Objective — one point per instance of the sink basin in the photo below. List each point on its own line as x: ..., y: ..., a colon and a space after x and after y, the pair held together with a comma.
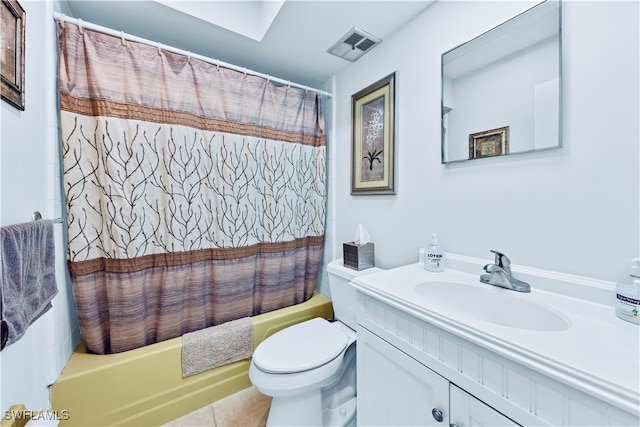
x: 498, y: 306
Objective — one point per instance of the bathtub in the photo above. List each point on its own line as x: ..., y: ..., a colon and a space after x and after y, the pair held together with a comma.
x: 144, y: 387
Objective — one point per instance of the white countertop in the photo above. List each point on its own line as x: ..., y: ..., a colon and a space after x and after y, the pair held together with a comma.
x: 598, y: 353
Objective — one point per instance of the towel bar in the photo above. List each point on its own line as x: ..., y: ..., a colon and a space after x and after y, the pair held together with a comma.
x: 37, y: 215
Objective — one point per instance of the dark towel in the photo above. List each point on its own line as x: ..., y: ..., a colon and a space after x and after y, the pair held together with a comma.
x: 27, y: 274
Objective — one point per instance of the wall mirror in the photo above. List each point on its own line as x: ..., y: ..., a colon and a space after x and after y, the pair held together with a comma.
x: 501, y: 91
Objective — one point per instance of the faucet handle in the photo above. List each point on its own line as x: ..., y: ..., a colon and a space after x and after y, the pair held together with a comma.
x: 502, y: 260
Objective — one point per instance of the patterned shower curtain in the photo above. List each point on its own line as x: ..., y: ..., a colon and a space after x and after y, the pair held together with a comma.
x: 195, y: 194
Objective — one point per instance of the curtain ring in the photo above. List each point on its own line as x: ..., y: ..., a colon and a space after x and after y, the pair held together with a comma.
x: 245, y: 72
x: 217, y: 65
x: 188, y: 57
x: 159, y: 48
x: 80, y: 26
x: 124, y: 42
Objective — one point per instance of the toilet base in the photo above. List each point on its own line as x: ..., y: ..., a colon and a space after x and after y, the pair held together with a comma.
x: 342, y: 415
x: 294, y: 411
x: 303, y: 411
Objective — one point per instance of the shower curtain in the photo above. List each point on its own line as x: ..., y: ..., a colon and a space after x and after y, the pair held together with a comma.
x: 195, y: 194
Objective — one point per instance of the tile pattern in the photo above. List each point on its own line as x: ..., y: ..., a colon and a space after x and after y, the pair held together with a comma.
x: 246, y: 408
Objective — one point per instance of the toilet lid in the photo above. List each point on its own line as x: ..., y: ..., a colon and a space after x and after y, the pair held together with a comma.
x: 300, y: 347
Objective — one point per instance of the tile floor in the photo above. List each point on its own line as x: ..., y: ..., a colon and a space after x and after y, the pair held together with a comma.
x: 246, y: 408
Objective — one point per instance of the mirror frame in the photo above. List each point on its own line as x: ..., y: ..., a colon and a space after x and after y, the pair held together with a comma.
x: 445, y: 109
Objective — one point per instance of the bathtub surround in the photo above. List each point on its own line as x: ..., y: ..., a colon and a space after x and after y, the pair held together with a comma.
x: 195, y: 193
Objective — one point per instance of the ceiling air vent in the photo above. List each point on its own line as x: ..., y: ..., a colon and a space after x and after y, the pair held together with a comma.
x: 354, y: 44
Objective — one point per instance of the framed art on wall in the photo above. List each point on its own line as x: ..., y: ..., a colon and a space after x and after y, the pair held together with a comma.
x: 373, y: 138
x: 12, y: 53
x: 494, y: 142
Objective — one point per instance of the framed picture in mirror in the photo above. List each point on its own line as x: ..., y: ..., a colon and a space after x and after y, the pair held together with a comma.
x: 494, y: 142
x: 12, y: 53
x: 372, y: 138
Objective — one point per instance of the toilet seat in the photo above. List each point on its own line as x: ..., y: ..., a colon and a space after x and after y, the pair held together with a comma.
x: 300, y: 347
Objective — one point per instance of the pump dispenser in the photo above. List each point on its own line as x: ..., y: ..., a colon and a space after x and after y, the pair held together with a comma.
x: 434, y: 256
x: 628, y: 295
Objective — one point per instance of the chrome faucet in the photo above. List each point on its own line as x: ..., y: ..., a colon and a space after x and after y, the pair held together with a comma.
x: 499, y: 274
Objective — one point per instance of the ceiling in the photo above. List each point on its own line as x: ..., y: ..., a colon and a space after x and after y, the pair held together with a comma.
x: 286, y: 39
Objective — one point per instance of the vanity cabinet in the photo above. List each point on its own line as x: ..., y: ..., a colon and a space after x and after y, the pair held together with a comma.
x: 396, y: 390
x: 410, y: 364
x: 466, y: 410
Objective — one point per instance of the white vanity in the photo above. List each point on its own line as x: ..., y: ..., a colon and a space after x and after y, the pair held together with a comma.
x: 443, y: 349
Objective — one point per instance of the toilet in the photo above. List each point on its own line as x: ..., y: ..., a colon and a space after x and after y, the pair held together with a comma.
x: 310, y: 368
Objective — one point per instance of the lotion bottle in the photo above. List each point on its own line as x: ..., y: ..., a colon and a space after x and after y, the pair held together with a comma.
x: 628, y: 295
x: 434, y: 256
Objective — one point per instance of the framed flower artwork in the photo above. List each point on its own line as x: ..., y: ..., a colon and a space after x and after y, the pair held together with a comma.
x: 372, y: 141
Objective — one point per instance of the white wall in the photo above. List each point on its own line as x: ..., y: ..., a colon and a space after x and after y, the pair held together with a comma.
x: 573, y: 210
x: 29, y: 181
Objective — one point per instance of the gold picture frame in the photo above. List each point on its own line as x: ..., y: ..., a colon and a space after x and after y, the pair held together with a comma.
x: 373, y: 138
x: 12, y: 53
x: 494, y: 142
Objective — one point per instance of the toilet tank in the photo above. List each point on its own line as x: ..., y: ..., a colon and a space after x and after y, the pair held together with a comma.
x: 343, y: 295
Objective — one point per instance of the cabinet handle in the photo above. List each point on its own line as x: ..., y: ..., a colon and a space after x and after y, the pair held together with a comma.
x: 453, y: 425
x: 437, y: 414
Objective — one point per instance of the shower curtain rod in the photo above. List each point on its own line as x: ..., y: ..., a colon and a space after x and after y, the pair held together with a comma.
x: 88, y: 25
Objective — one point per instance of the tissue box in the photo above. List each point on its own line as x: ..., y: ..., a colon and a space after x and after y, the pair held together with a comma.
x: 358, y: 257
